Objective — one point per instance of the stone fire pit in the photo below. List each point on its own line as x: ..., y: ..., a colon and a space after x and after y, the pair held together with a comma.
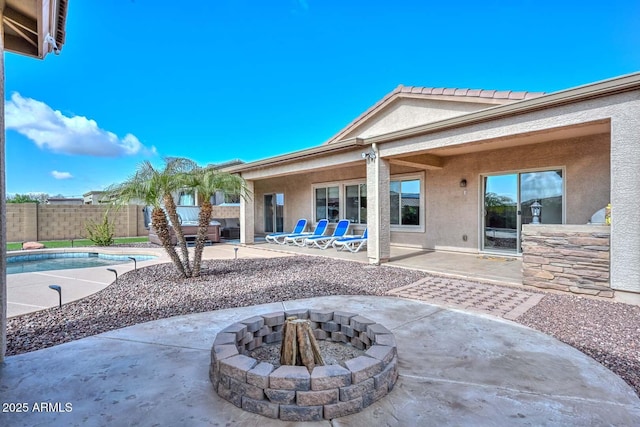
x: 292, y: 393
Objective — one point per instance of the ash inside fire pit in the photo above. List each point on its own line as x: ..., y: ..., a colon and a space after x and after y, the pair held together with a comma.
x: 332, y: 352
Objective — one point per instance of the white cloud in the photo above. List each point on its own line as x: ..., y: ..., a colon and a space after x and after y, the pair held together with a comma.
x: 61, y: 175
x: 52, y: 130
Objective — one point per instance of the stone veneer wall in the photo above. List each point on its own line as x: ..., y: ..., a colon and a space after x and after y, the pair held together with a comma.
x: 292, y: 393
x: 572, y: 258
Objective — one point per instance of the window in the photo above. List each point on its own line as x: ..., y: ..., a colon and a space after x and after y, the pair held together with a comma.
x: 186, y: 198
x: 355, y: 205
x: 405, y: 202
x: 327, y: 203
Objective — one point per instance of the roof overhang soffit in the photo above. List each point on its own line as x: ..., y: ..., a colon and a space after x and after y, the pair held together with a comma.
x: 21, y: 32
x: 419, y: 161
x: 26, y: 25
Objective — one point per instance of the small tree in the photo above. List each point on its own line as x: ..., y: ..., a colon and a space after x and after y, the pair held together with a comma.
x: 101, y: 233
x: 207, y: 181
x: 155, y: 187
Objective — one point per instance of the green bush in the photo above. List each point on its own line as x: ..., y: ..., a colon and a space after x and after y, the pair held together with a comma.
x: 101, y: 233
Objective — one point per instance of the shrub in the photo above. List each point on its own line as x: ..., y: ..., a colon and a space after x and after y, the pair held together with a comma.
x: 101, y: 233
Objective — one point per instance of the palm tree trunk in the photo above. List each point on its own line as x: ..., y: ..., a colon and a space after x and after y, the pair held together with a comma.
x: 160, y: 224
x: 204, y: 217
x: 170, y: 205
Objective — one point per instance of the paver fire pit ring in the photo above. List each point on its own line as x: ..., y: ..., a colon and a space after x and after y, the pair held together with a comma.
x: 292, y: 393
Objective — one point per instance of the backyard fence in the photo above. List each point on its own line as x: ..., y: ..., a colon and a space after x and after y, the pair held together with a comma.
x: 38, y: 222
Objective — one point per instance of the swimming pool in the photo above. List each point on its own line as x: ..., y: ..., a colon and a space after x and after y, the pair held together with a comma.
x: 67, y: 260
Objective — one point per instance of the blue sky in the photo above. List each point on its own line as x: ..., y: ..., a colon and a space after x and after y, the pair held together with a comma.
x: 249, y: 79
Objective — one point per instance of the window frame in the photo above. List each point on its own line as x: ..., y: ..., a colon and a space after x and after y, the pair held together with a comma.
x: 342, y: 191
x: 420, y: 228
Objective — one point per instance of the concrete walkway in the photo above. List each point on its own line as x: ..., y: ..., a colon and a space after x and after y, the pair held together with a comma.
x: 455, y: 369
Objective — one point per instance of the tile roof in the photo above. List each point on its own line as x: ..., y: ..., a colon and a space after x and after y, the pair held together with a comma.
x: 477, y: 93
x: 491, y: 97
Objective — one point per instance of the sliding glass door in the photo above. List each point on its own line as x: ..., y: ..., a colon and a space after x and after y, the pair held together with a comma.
x: 274, y: 213
x: 507, y: 203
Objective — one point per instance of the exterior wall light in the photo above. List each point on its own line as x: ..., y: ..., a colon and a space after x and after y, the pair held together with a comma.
x: 536, y: 207
x: 369, y: 155
x: 463, y: 183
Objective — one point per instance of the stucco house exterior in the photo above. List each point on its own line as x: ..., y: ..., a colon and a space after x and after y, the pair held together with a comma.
x: 457, y: 170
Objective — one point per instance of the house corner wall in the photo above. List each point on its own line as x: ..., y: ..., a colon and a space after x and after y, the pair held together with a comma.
x: 625, y: 193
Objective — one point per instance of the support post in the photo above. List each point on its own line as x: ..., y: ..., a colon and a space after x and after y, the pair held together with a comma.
x: 378, y: 214
x: 247, y: 216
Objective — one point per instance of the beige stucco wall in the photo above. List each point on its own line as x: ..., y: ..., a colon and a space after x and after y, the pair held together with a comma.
x: 406, y: 113
x: 297, y: 190
x: 451, y: 213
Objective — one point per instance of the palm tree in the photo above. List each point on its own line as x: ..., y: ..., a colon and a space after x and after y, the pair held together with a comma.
x: 207, y: 181
x: 155, y: 187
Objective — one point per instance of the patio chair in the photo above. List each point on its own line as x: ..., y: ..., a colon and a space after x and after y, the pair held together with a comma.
x: 323, y: 242
x: 279, y: 237
x: 298, y: 239
x: 351, y: 243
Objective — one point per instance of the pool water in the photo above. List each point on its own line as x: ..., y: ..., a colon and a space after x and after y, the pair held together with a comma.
x: 67, y: 260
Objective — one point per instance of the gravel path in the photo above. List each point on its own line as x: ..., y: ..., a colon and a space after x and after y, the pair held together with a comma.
x: 609, y: 332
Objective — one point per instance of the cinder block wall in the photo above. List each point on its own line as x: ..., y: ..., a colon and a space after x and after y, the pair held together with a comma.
x: 36, y: 222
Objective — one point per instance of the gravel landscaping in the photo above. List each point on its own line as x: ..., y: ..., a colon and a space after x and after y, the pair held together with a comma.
x: 607, y: 331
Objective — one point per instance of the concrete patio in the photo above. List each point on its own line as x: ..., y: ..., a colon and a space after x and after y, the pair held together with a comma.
x: 455, y: 369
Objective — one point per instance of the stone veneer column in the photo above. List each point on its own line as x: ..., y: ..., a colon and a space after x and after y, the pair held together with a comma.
x: 378, y: 214
x: 247, y: 215
x: 625, y: 193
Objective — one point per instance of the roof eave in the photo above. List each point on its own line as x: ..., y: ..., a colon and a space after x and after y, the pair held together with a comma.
x: 321, y: 150
x: 581, y: 93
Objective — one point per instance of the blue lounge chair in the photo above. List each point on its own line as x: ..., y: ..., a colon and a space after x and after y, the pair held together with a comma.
x: 351, y: 243
x: 298, y: 239
x: 323, y: 242
x: 279, y: 237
